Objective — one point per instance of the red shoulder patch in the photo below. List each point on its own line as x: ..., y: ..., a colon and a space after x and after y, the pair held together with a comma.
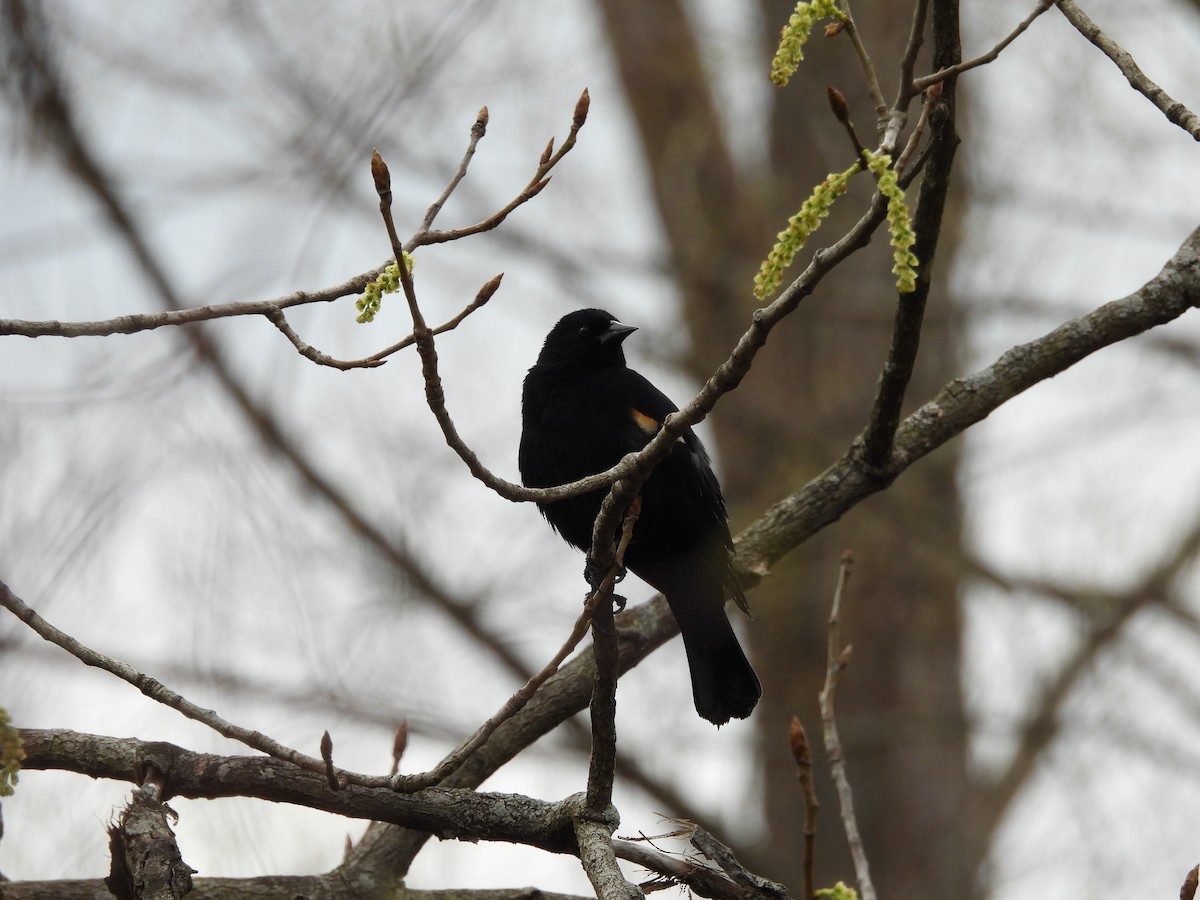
x: 646, y: 423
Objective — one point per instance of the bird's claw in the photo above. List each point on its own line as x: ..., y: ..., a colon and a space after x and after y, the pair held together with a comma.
x: 595, y: 574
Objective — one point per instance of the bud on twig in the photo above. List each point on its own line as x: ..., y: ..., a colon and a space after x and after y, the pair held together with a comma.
x: 400, y: 741
x: 327, y: 747
x: 1188, y: 891
x: 581, y: 110
x: 845, y: 656
x: 837, y: 102
x: 485, y: 292
x: 537, y: 188
x: 798, y: 741
x: 833, y: 29
x: 547, y: 153
x: 481, y: 121
x: 380, y: 173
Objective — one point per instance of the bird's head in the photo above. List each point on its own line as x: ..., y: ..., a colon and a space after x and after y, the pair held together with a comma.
x: 590, y: 336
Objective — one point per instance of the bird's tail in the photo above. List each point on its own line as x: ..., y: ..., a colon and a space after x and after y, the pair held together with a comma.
x: 724, y: 685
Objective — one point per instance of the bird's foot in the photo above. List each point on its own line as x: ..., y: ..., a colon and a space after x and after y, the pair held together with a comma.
x: 595, y: 574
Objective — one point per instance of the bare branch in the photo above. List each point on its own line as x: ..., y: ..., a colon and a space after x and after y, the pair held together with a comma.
x: 837, y: 658
x: 448, y: 813
x: 279, y: 320
x: 908, y: 61
x: 513, y: 705
x: 146, y: 861
x: 477, y: 132
x: 802, y: 754
x: 600, y: 861
x: 1176, y: 112
x: 966, y: 401
x: 135, y: 322
x: 481, y: 298
x: 540, y: 179
x: 868, y: 67
x: 151, y: 688
x: 921, y: 84
x: 909, y: 319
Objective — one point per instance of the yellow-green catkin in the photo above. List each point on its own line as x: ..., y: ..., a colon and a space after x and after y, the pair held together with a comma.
x: 899, y: 223
x: 799, y: 228
x: 388, y: 282
x: 795, y: 35
x: 838, y: 892
x: 11, y: 754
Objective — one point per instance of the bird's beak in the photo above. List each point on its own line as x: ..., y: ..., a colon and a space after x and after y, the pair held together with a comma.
x: 616, y: 332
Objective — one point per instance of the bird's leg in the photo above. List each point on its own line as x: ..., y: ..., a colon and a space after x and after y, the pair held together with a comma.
x: 594, y: 575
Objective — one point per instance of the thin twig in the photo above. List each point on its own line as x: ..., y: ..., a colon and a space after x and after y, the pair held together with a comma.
x: 136, y: 322
x: 481, y: 298
x: 868, y: 67
x: 279, y: 320
x: 802, y: 754
x: 908, y: 62
x: 922, y: 83
x: 841, y: 110
x: 514, y: 704
x: 540, y: 179
x: 1175, y: 111
x: 153, y: 689
x: 837, y: 659
x: 914, y: 140
x: 478, y: 130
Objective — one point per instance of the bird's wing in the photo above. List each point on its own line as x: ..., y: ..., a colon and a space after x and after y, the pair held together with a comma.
x: 684, y: 481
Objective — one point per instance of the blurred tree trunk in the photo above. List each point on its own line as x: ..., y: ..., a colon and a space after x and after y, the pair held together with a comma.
x: 900, y: 703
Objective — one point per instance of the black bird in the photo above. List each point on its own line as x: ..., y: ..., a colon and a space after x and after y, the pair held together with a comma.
x: 582, y: 410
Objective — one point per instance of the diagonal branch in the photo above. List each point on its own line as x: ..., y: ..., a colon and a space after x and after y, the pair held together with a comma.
x: 966, y: 401
x: 152, y: 688
x: 1176, y: 112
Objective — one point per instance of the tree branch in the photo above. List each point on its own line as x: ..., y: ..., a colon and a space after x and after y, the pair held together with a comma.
x: 966, y: 401
x: 1176, y: 112
x: 910, y: 308
x: 461, y: 814
x: 837, y: 658
x: 948, y: 71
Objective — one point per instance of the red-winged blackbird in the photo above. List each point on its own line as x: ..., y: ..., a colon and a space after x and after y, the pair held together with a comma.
x: 581, y: 411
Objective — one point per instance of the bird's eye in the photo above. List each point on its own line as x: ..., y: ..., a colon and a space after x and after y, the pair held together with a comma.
x: 584, y: 331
